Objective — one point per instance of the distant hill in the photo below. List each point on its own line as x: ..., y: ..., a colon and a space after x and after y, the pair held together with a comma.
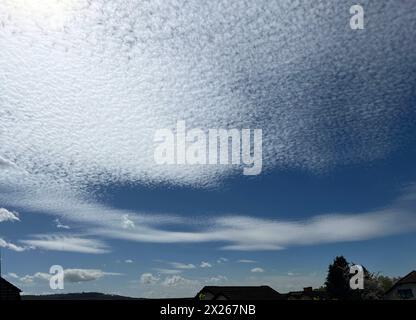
x: 78, y: 296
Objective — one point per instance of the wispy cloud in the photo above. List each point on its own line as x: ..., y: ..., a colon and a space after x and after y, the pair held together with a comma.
x: 246, y: 261
x: 6, y: 215
x: 12, y: 246
x: 248, y: 233
x: 180, y: 265
x: 126, y: 222
x: 205, y: 264
x: 168, y: 271
x: 229, y: 232
x: 216, y: 279
x: 68, y: 243
x: 60, y: 225
x: 257, y: 270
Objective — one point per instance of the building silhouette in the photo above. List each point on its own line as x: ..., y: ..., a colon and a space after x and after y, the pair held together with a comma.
x: 8, y: 291
x: 404, y: 289
x: 238, y: 293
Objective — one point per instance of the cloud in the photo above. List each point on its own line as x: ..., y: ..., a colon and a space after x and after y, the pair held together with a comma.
x: 177, y: 280
x: 6, y: 215
x: 11, y: 246
x: 233, y: 232
x: 13, y: 275
x: 217, y: 279
x: 248, y: 233
x: 168, y: 271
x: 67, y: 243
x: 267, y: 234
x: 246, y: 261
x: 175, y: 285
x: 64, y: 147
x: 28, y: 279
x: 90, y: 138
x: 180, y: 265
x: 85, y: 139
x: 205, y: 264
x: 82, y: 275
x: 174, y: 280
x: 70, y: 275
x: 148, y: 278
x: 257, y: 270
x: 6, y: 164
x: 59, y: 225
x: 126, y: 222
x: 222, y: 260
x: 128, y: 261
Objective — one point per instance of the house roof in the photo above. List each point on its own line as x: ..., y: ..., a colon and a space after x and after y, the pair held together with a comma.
x: 312, y: 294
x: 409, y: 278
x: 243, y: 293
x: 5, y: 283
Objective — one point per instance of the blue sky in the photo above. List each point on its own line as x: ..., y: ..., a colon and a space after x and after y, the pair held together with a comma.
x: 85, y: 87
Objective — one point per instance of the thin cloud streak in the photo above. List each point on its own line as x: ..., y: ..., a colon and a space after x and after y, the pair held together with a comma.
x: 68, y: 243
x: 247, y: 233
x: 233, y: 232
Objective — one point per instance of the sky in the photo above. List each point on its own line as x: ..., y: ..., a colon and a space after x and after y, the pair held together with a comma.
x: 84, y: 86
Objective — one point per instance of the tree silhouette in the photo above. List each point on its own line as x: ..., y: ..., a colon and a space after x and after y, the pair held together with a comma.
x: 337, y: 280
